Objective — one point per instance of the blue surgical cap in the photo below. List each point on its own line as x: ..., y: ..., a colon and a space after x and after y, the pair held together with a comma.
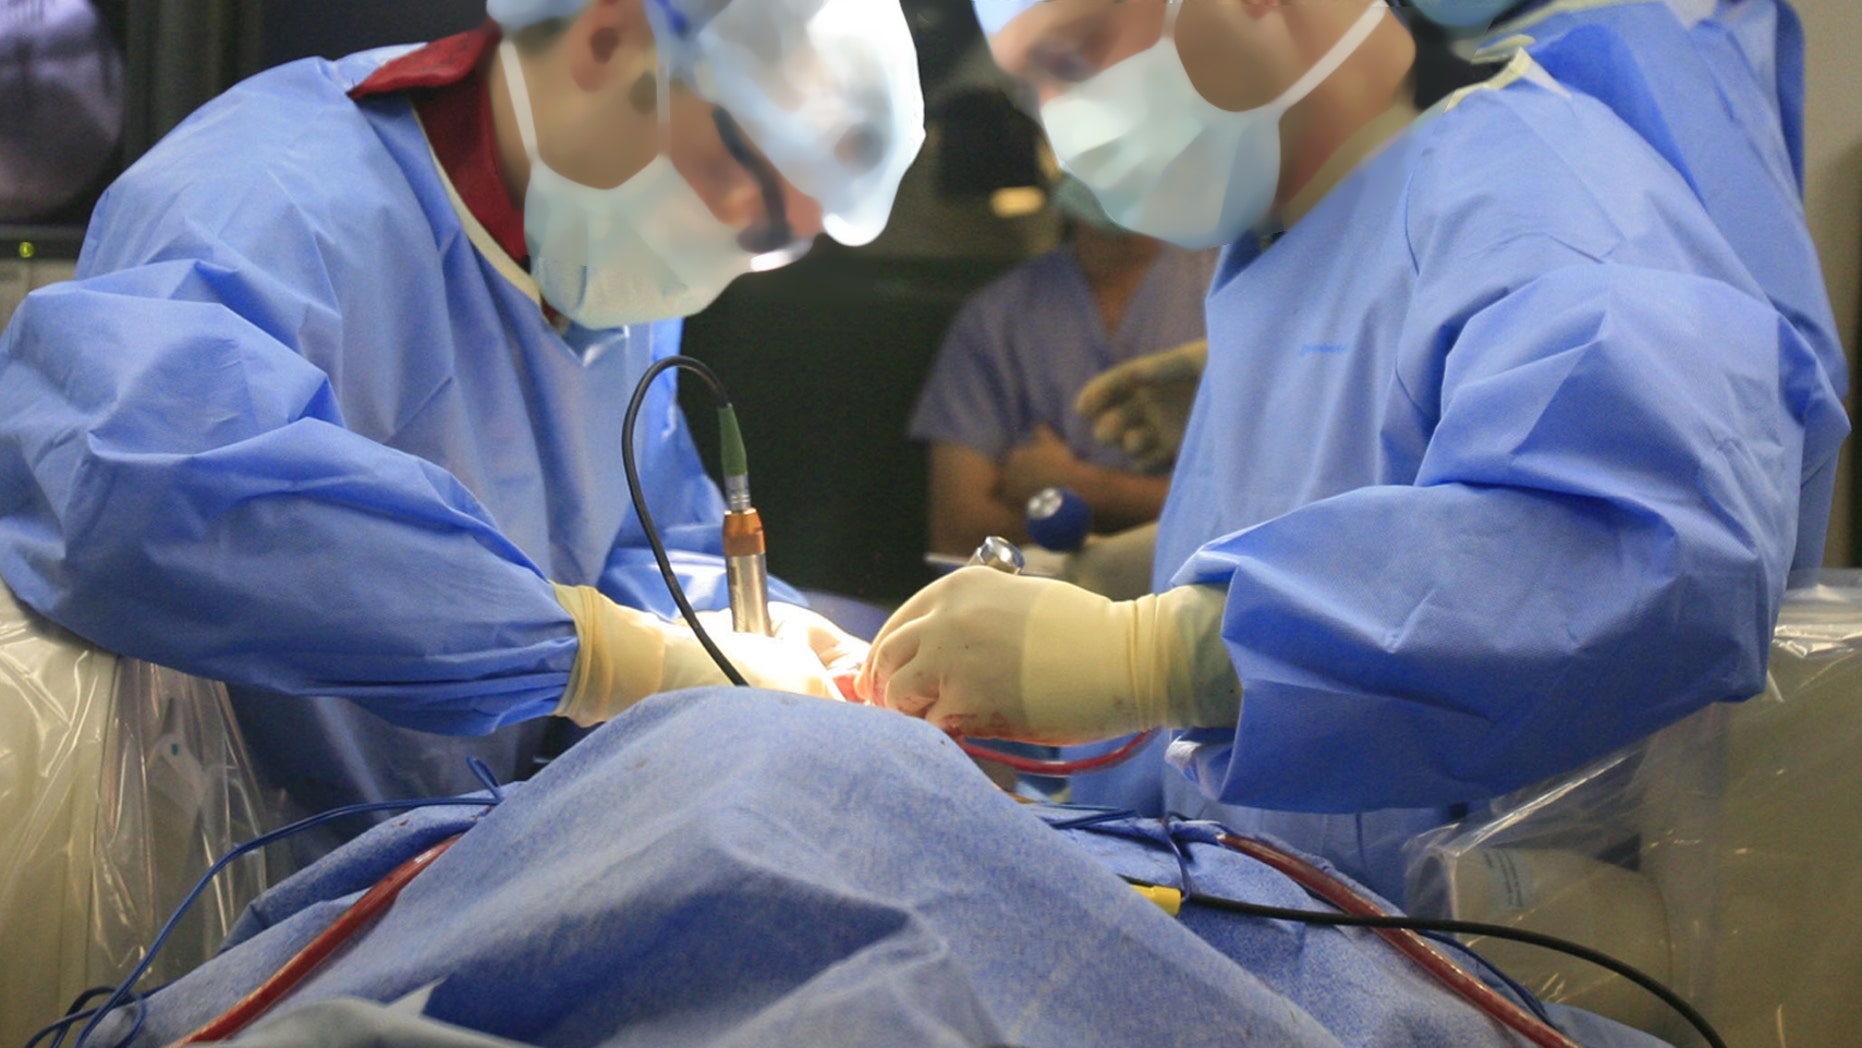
x: 992, y: 15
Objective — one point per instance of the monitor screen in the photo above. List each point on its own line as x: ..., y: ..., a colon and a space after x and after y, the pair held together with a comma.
x: 62, y: 86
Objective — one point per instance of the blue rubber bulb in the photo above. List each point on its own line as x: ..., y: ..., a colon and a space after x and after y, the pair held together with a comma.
x: 1059, y: 519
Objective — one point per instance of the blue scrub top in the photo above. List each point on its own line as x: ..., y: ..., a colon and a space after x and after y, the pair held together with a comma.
x: 1022, y: 348
x: 291, y: 430
x: 1511, y: 483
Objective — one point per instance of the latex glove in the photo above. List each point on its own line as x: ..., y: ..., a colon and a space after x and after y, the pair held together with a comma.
x: 627, y: 654
x: 1044, y: 461
x: 993, y: 655
x: 841, y: 652
x: 1143, y: 405
x: 1116, y: 566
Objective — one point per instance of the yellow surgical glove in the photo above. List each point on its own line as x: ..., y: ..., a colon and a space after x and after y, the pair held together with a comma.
x: 840, y: 651
x: 1116, y: 566
x: 992, y: 655
x: 1143, y: 405
x: 627, y: 654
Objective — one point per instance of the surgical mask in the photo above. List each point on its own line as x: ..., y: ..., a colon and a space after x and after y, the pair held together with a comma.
x: 1167, y: 162
x: 648, y: 249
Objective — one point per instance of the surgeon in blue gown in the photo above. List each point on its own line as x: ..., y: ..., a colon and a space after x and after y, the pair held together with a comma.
x: 1717, y: 89
x: 1718, y: 92
x: 1501, y: 460
x: 332, y: 411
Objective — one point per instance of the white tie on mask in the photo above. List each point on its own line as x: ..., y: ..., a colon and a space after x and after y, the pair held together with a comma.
x: 1164, y: 160
x: 648, y: 249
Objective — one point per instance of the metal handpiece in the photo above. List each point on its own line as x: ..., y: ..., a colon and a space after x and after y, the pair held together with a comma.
x: 748, y: 580
x: 1001, y: 554
x: 746, y: 565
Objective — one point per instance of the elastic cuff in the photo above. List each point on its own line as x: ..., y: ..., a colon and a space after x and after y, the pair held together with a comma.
x: 1200, y: 689
x: 619, y: 661
x: 1082, y: 675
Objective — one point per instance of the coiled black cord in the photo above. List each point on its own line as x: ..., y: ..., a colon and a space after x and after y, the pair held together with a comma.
x: 638, y: 493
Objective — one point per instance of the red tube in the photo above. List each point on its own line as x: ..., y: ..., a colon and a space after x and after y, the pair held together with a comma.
x: 1028, y: 765
x: 1418, y: 949
x: 1042, y: 766
x: 285, y: 979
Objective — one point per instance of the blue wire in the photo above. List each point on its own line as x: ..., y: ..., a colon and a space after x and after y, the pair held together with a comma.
x: 58, y: 1029
x: 1092, y: 817
x: 1093, y: 820
x: 127, y: 987
x: 1183, y: 856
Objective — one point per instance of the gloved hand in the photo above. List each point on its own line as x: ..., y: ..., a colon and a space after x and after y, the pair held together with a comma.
x: 841, y: 652
x: 1116, y: 566
x: 993, y: 655
x: 1143, y: 405
x: 627, y: 654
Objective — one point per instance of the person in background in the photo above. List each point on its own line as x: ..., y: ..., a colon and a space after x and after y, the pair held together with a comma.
x: 332, y: 411
x: 997, y: 410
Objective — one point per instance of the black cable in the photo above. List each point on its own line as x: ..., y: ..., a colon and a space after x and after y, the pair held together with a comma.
x: 1492, y: 931
x: 638, y: 494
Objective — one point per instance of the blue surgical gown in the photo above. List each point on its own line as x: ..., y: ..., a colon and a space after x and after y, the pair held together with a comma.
x: 1764, y: 38
x: 1722, y: 102
x: 1499, y: 457
x: 290, y: 429
x: 1755, y: 47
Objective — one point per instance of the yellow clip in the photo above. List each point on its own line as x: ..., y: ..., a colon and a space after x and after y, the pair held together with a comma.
x: 1168, y: 900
